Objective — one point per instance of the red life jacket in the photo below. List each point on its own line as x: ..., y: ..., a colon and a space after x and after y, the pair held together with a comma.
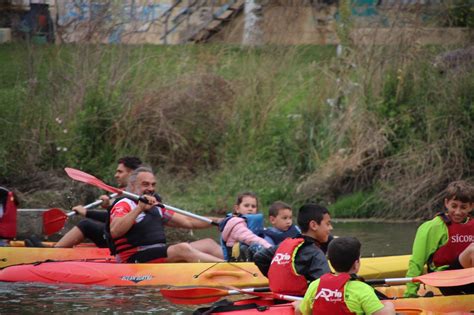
x: 460, y: 236
x: 282, y: 275
x: 329, y: 298
x: 8, y: 220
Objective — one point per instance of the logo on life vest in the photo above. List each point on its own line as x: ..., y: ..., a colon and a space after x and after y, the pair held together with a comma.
x: 281, y: 259
x: 460, y: 238
x: 329, y: 295
x: 136, y: 279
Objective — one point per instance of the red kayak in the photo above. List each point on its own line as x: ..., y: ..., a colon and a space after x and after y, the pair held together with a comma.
x: 456, y: 304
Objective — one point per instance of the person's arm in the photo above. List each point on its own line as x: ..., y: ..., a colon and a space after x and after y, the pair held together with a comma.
x: 306, y: 305
x: 263, y: 258
x: 120, y: 225
x: 388, y: 309
x: 429, y: 237
x: 106, y: 201
x: 243, y: 234
x: 183, y: 221
x: 369, y: 303
x: 296, y: 306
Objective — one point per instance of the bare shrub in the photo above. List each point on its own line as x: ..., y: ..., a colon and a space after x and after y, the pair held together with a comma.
x: 385, y: 134
x: 350, y: 167
x: 415, y: 178
x: 182, y: 123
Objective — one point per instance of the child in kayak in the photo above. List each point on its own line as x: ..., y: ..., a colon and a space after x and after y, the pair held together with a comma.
x: 447, y: 241
x: 297, y: 261
x: 336, y: 293
x: 281, y: 219
x: 243, y: 228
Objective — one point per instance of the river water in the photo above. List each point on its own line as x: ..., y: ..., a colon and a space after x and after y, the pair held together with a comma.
x: 378, y: 239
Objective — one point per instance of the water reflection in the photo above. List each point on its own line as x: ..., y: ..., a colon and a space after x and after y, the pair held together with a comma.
x: 20, y: 298
x: 379, y: 238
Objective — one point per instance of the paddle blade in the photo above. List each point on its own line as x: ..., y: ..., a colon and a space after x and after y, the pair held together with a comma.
x: 193, y: 301
x: 204, y: 295
x: 53, y: 221
x: 193, y: 295
x: 89, y: 179
x: 448, y: 278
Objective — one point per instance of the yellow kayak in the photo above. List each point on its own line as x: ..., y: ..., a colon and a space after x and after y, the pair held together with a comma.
x: 92, y: 265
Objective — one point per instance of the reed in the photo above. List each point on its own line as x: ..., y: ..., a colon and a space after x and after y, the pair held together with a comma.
x: 377, y: 131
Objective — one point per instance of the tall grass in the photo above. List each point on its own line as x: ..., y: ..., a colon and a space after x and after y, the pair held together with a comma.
x: 376, y: 132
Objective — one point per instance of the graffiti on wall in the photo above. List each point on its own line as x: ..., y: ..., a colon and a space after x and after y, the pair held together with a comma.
x: 127, y: 17
x: 131, y: 17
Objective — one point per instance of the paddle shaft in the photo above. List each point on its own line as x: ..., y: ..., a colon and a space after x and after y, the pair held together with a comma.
x: 446, y: 278
x: 183, y: 212
x: 274, y: 295
x: 92, y: 205
x: 91, y: 180
x: 391, y: 281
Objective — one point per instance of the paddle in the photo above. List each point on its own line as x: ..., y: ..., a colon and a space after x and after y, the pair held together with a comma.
x: 54, y: 219
x: 447, y: 278
x: 91, y: 180
x: 203, y: 295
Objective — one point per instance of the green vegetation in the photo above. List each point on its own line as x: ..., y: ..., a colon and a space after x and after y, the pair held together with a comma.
x: 377, y: 132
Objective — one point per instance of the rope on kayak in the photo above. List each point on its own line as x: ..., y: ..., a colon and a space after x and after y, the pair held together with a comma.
x: 254, y: 274
x: 36, y: 263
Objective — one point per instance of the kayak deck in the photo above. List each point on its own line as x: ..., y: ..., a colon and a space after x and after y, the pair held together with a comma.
x: 26, y: 255
x: 115, y: 274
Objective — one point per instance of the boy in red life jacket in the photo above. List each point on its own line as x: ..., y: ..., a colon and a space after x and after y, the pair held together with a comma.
x: 297, y: 261
x: 336, y: 294
x: 447, y: 241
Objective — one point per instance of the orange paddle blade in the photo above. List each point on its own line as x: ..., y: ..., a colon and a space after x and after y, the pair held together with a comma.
x: 89, y: 179
x: 204, y: 295
x: 53, y: 221
x: 448, y: 278
x: 193, y: 295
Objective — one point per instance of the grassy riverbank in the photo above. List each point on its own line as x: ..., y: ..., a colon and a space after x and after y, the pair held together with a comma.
x: 376, y: 132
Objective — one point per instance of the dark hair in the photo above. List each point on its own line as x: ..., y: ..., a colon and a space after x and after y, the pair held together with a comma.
x: 276, y: 207
x: 310, y: 212
x: 343, y: 252
x: 131, y: 162
x: 460, y: 190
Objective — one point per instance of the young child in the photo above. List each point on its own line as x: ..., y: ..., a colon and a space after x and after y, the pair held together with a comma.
x: 446, y: 242
x: 291, y: 265
x: 336, y: 293
x: 281, y: 219
x: 243, y: 227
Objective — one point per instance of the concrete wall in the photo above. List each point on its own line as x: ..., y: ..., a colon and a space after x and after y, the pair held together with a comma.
x: 308, y: 25
x: 286, y: 22
x: 30, y: 222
